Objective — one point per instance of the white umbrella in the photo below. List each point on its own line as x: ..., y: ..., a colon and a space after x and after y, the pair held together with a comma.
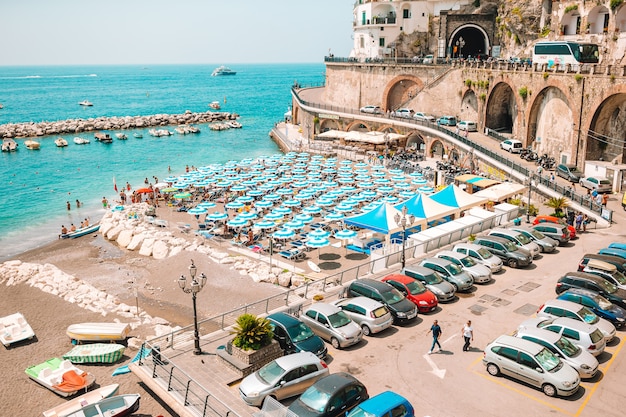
x: 206, y: 205
x: 283, y: 234
x: 250, y: 215
x: 216, y: 215
x: 264, y: 224
x: 318, y: 233
x: 319, y: 243
x: 197, y: 211
x: 234, y: 205
x: 237, y: 222
x: 304, y: 218
x: 294, y: 224
x: 273, y: 216
x: 345, y: 234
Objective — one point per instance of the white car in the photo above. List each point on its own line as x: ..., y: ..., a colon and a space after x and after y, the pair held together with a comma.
x: 467, y: 125
x: 404, y: 113
x: 418, y: 115
x: 511, y: 145
x: 371, y: 110
x: 600, y: 184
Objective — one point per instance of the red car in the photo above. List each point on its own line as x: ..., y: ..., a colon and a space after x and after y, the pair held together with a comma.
x: 552, y: 219
x: 414, y: 290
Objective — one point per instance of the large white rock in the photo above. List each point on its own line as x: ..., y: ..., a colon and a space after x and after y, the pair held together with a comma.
x: 114, y: 232
x: 159, y: 250
x: 284, y: 280
x: 125, y: 237
x: 136, y: 241
x: 146, y: 247
x: 105, y: 226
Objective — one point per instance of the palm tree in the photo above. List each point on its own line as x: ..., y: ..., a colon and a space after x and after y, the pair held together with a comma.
x: 252, y: 332
x: 558, y: 204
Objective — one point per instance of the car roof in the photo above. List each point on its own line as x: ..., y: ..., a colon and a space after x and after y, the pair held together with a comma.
x: 438, y: 261
x: 296, y: 359
x: 493, y: 239
x: 581, y: 291
x: 517, y: 343
x: 598, y: 264
x: 419, y: 269
x: 324, y: 308
x: 372, y: 283
x: 583, y: 275
x: 285, y: 319
x: 542, y: 334
x: 334, y: 381
x: 471, y: 246
x: 578, y: 325
x: 404, y: 279
x: 564, y: 304
x: 365, y: 302
x: 452, y: 254
x: 380, y: 404
x: 605, y: 258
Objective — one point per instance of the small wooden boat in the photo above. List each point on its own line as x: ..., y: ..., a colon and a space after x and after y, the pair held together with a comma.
x: 81, y: 141
x: 61, y: 377
x: 32, y: 144
x: 121, y: 136
x: 95, y: 353
x: 98, y: 331
x: 215, y: 105
x: 117, y: 406
x: 14, y: 328
x: 86, y: 103
x: 82, y: 231
x: 75, y: 404
x: 9, y: 145
x: 103, y: 137
x: 60, y: 142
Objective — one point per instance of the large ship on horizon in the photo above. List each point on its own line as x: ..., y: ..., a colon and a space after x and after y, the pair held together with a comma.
x: 223, y: 70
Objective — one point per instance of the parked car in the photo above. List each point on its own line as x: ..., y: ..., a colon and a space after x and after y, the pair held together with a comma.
x: 295, y: 336
x: 283, y: 378
x: 554, y: 231
x: 333, y: 325
x: 546, y: 244
x: 428, y: 59
x: 511, y: 254
x: 331, y: 396
x: 518, y: 239
x: 600, y: 184
x: 404, y: 113
x: 385, y: 404
x: 480, y: 254
x: 620, y: 263
x: 613, y: 251
x: 479, y: 272
x: 371, y: 315
x: 414, y: 290
x: 443, y: 290
x: 562, y: 308
x: 532, y: 364
x: 418, y: 115
x: 460, y: 280
x: 584, y: 335
x: 582, y: 361
x: 371, y: 109
x: 618, y: 245
x: 402, y: 309
x: 569, y: 171
x: 511, y: 145
x: 598, y: 304
x: 467, y: 125
x: 556, y: 220
x: 606, y: 271
x: 593, y: 283
x: 447, y: 121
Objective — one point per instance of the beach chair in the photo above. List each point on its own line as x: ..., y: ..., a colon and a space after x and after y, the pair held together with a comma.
x: 293, y: 254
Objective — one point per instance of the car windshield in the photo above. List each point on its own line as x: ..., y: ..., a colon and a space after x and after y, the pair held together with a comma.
x: 510, y: 246
x: 587, y: 315
x: 568, y: 348
x: 537, y: 234
x: 415, y: 287
x: 270, y: 373
x: 359, y: 412
x: 315, y: 399
x: 607, y: 286
x: 602, y: 302
x: 468, y: 261
x: 299, y: 332
x: 524, y: 240
x: 454, y: 269
x: 619, y: 277
x: 392, y: 296
x: 548, y: 360
x: 339, y: 319
x: 574, y: 170
x: 433, y: 278
x: 484, y: 253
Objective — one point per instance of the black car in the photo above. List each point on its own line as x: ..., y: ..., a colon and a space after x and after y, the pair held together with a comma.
x: 511, y: 254
x: 331, y: 396
x: 594, y: 283
x: 569, y: 171
x: 295, y: 336
x: 401, y: 309
x: 620, y: 263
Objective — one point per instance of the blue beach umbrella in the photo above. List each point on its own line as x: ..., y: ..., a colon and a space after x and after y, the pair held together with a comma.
x: 294, y: 224
x: 312, y: 210
x: 292, y: 203
x: 264, y: 224
x: 345, y: 234
x: 318, y: 233
x: 196, y: 211
x: 282, y: 210
x: 385, y: 190
x: 249, y: 215
x: 283, y: 234
x: 245, y: 199
x: 206, y: 205
x: 334, y: 216
x: 217, y: 216
x: 255, y: 193
x: 304, y: 218
x: 237, y: 223
x: 234, y: 205
x: 264, y: 204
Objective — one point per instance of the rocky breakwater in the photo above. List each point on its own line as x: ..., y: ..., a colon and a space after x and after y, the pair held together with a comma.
x: 52, y: 280
x: 25, y: 130
x: 133, y: 231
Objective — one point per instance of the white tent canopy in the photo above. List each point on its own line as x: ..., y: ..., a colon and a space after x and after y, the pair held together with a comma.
x: 501, y: 192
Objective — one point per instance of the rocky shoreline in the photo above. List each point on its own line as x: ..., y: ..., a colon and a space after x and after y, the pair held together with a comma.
x: 31, y: 129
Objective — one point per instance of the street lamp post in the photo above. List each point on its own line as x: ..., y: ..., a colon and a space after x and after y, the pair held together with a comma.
x: 194, y: 288
x: 530, y: 188
x: 403, y: 221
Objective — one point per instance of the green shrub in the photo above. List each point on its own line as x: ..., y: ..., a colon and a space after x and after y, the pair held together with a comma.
x: 482, y: 97
x: 615, y: 4
x: 252, y: 332
x: 578, y: 77
x: 571, y: 8
x: 468, y: 83
x: 523, y: 92
x: 545, y: 75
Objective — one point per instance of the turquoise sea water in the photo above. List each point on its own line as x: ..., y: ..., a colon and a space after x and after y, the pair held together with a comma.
x: 37, y: 184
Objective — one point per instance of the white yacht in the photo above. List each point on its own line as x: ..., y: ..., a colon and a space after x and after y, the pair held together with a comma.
x: 223, y: 70
x: 86, y: 103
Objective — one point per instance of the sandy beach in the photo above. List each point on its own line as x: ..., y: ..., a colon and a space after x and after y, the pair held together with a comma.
x: 118, y: 272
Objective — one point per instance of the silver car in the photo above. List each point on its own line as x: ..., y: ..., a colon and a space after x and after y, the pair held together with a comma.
x: 584, y: 335
x: 283, y: 378
x: 563, y: 308
x: 372, y: 316
x: 480, y: 273
x: 443, y: 290
x: 333, y: 325
x: 517, y: 238
x: 460, y: 280
x: 584, y: 362
x: 481, y: 255
x: 532, y: 364
x: 546, y: 244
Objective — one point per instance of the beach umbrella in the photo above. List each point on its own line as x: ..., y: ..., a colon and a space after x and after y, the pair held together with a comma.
x: 345, y: 180
x: 398, y: 178
x: 282, y: 210
x: 402, y: 186
x: 264, y: 204
x: 237, y: 223
x: 324, y: 202
x: 264, y: 224
x: 347, y: 189
x: 345, y: 234
x: 206, y: 205
x: 390, y: 199
x: 217, y: 216
x: 284, y: 191
x: 407, y: 194
x: 419, y: 182
x: 416, y: 174
x: 266, y: 187
x: 312, y: 210
x: 283, y: 234
x: 361, y: 165
x: 197, y: 211
x: 319, y: 243
x: 294, y: 224
x: 169, y: 190
x: 304, y: 218
x: 171, y: 179
x: 396, y: 171
x: 181, y: 196
x: 234, y: 205
x: 303, y: 196
x: 366, y: 184
x: 224, y: 184
x: 318, y: 233
x: 385, y: 189
x: 245, y: 199
x: 426, y: 190
x: 237, y: 188
x: 334, y: 216
x: 248, y: 215
x: 367, y: 194
x: 273, y: 216
x: 255, y: 193
x: 292, y: 203
x: 344, y: 208
x: 382, y: 180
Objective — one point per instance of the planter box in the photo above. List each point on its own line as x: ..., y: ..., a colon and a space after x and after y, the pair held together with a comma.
x: 245, y: 362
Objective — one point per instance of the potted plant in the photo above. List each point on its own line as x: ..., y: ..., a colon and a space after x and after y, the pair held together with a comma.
x: 252, y: 332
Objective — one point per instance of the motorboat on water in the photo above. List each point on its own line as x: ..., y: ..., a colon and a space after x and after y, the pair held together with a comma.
x: 60, y: 142
x: 9, y: 145
x: 86, y: 103
x: 219, y: 126
x: 215, y: 105
x: 234, y: 124
x: 223, y: 70
x: 121, y: 136
x: 81, y: 141
x: 159, y: 132
x: 103, y: 137
x: 186, y: 129
x: 137, y: 135
x: 32, y: 144
x: 77, y: 403
x: 14, y: 328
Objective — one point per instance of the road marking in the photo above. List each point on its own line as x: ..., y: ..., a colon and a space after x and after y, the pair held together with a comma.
x: 436, y: 371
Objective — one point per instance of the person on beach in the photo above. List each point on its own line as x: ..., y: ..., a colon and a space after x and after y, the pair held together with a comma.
x: 63, y: 231
x: 436, y: 330
x: 468, y: 335
x: 86, y: 223
x: 72, y: 228
x: 69, y: 206
x: 127, y: 186
x: 105, y: 202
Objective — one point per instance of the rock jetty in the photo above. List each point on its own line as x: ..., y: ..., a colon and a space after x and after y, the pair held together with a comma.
x: 27, y: 130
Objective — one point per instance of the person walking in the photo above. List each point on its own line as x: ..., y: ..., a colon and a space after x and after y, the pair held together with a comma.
x: 436, y: 329
x: 468, y: 335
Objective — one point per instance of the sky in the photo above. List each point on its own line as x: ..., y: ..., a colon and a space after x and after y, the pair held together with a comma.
x: 88, y: 32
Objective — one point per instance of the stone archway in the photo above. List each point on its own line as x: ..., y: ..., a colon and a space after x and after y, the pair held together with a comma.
x: 469, y: 40
x: 469, y: 106
x: 415, y: 140
x: 437, y: 148
x: 598, y: 20
x: 328, y: 124
x: 620, y: 18
x: 605, y: 137
x: 357, y: 126
x: 400, y: 90
x: 501, y: 109
x: 570, y: 23
x: 550, y: 123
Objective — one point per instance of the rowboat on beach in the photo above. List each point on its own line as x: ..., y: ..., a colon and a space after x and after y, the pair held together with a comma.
x: 75, y: 404
x: 117, y: 406
x: 60, y: 142
x: 60, y: 377
x: 83, y: 332
x: 82, y: 231
x: 81, y: 141
x: 14, y: 328
x: 32, y: 144
x: 95, y: 353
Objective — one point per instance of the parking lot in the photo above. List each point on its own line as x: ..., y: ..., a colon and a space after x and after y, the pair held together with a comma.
x: 455, y: 383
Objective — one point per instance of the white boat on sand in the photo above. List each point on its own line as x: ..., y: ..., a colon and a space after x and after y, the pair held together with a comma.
x: 98, y: 331
x: 14, y: 328
x: 118, y: 406
x: 75, y: 404
x: 61, y: 377
x: 81, y: 141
